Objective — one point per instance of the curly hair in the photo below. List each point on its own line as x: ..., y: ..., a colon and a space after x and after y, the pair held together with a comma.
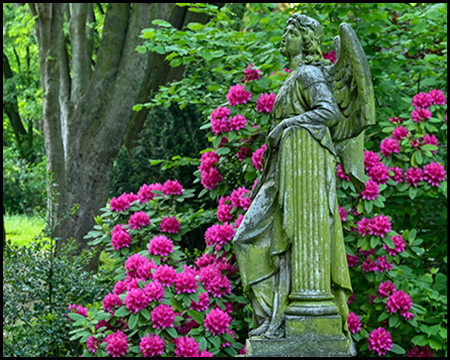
x: 312, y: 35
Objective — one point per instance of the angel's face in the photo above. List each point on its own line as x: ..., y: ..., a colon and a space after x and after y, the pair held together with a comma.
x: 292, y: 42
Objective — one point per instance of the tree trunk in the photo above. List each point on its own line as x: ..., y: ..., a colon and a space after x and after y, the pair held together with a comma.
x: 87, y: 110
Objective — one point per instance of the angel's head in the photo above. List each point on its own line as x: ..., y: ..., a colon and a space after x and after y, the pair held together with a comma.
x: 303, y: 36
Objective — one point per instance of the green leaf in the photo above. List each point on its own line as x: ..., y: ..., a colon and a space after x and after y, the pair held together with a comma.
x: 393, y: 320
x: 195, y: 26
x: 172, y: 332
x: 196, y: 316
x: 397, y: 349
x: 388, y: 241
x: 161, y: 23
x: 412, y: 192
x: 217, y: 140
x: 223, y: 150
x: 77, y: 317
x: 132, y: 322
x: 121, y: 312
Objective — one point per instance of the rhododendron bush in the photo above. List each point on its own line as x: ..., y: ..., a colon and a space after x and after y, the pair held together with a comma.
x: 167, y: 303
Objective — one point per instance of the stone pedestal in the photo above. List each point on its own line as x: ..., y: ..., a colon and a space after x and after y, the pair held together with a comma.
x: 306, y: 336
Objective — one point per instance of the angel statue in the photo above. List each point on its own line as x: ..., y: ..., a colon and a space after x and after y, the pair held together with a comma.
x: 290, y: 246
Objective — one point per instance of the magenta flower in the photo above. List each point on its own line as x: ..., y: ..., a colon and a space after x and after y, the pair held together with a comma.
x: 77, y: 309
x: 112, y: 302
x: 210, y: 178
x: 219, y: 121
x: 379, y: 173
x: 399, y: 245
x: 172, y: 187
x: 241, y: 198
x: 343, y: 214
x: 224, y: 212
x: 363, y: 226
x: 370, y: 159
x: 400, y: 300
x: 146, y: 192
x: 152, y: 346
x: 380, y: 341
x: 420, y: 351
x: 120, y: 204
x: 120, y: 287
x: 202, y: 304
x: 265, y: 102
x: 214, y: 282
x: 160, y: 245
x: 371, y: 192
x: 186, y: 282
x: 420, y: 114
x: 386, y: 289
x: 257, y: 157
x: 413, y: 176
x: 352, y: 260
x: 421, y: 100
x: 186, y: 347
x: 382, y: 264
x: 251, y: 74
x: 389, y: 146
x: 238, y: 95
x: 431, y: 140
x: 163, y: 316
x: 133, y: 263
x: 145, y: 269
x: 92, y: 344
x: 120, y: 238
x: 437, y: 97
x: 170, y: 225
x: 340, y: 173
x: 396, y: 120
x: 205, y: 353
x: 238, y: 221
x: 379, y: 226
x: 136, y: 300
x: 217, y: 322
x: 219, y: 234
x: 400, y: 133
x: 154, y: 291
x: 397, y: 174
x: 353, y: 322
x: 434, y: 173
x: 117, y: 344
x: 208, y: 160
x: 165, y: 274
x: 138, y: 219
x: 237, y: 122
x: 331, y: 55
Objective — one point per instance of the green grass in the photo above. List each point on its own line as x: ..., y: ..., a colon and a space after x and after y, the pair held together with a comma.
x: 22, y: 229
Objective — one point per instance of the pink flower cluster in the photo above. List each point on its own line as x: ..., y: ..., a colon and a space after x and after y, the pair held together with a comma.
x: 170, y: 224
x: 208, y: 171
x: 380, y: 341
x: 257, y: 157
x: 399, y: 245
x: 117, y: 344
x: 172, y: 187
x: 331, y: 55
x: 420, y: 351
x: 186, y: 347
x: 251, y: 74
x: 265, y: 102
x: 422, y: 102
x: 400, y: 300
x: 136, y: 300
x: 238, y: 95
x: 165, y: 274
x: 386, y: 289
x: 212, y: 278
x: 219, y: 235
x: 122, y: 202
x: 353, y: 322
x: 389, y: 146
x: 186, y: 282
x: 138, y: 219
x: 152, y: 346
x: 241, y: 198
x: 163, y: 316
x: 120, y: 237
x: 378, y: 226
x: 371, y: 192
x: 78, y: 309
x: 146, y: 192
x: 160, y: 245
x: 219, y: 119
x: 217, y: 322
x: 112, y: 302
x: 434, y: 173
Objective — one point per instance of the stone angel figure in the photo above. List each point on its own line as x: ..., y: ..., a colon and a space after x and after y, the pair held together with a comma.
x: 290, y: 246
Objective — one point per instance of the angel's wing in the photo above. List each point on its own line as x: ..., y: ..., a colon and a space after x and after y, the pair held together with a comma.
x: 351, y: 85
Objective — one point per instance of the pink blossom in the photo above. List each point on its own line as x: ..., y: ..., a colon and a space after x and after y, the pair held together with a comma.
x: 371, y: 192
x: 386, y: 289
x: 202, y: 304
x: 431, y: 140
x: 238, y: 95
x: 400, y: 300
x: 437, y: 97
x: 165, y: 274
x: 353, y: 322
x: 434, y: 173
x: 370, y: 159
x: 420, y: 114
x: 379, y: 173
x: 208, y: 160
x: 77, y: 309
x: 343, y: 214
x: 117, y: 344
x: 163, y: 316
x: 120, y: 237
x: 421, y: 100
x: 136, y: 300
x: 217, y: 322
x: 399, y: 245
x: 224, y: 212
x: 93, y: 344
x: 219, y: 121
x: 238, y: 221
x: 145, y: 269
x: 380, y: 341
x: 154, y: 291
x: 120, y: 287
x: 138, y: 219
x: 186, y: 347
x: 241, y: 198
x: 214, y: 282
x: 237, y: 122
x: 186, y: 282
x: 265, y: 102
x: 382, y: 264
x: 369, y: 265
x: 205, y: 353
x: 205, y: 260
x: 414, y: 176
x: 396, y: 120
x: 172, y: 187
x: 389, y: 146
x: 120, y: 204
x: 133, y: 263
x: 352, y: 260
x: 331, y: 55
x: 146, y: 192
x: 219, y: 234
x: 397, y: 174
x: 400, y: 133
x: 257, y: 157
x: 152, y: 346
x: 420, y: 351
x: 379, y: 226
x: 251, y: 74
x: 170, y: 224
x: 210, y: 178
x: 363, y: 226
x: 341, y: 174
x: 160, y: 245
x: 112, y: 302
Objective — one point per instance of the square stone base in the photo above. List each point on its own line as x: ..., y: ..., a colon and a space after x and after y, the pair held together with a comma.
x: 306, y: 336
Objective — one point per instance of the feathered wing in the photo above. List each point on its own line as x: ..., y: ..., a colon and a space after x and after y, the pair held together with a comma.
x: 351, y: 85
